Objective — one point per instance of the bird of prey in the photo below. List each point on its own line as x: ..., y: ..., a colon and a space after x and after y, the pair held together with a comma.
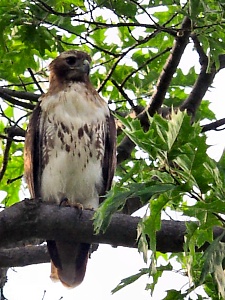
x: 70, y: 151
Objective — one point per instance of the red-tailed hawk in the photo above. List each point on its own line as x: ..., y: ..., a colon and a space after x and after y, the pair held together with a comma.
x: 70, y: 152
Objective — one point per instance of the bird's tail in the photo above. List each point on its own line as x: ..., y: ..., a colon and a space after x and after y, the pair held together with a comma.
x: 69, y: 262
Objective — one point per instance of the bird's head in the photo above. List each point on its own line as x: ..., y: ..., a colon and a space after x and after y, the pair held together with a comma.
x: 71, y: 66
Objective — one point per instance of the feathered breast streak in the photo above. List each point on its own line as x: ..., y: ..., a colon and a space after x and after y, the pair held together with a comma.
x: 74, y: 133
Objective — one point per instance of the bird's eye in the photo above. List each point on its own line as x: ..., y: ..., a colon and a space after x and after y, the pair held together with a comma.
x: 71, y: 60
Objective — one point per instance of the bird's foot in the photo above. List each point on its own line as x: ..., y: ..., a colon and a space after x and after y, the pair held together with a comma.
x: 90, y: 208
x: 78, y: 205
x: 64, y: 202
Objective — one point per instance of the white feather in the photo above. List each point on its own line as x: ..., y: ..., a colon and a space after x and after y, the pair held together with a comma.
x: 66, y: 175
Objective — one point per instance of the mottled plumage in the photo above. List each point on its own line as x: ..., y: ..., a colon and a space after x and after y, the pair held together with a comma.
x: 70, y: 152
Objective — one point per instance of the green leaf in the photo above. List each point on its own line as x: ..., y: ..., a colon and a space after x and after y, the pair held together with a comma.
x: 130, y: 279
x: 174, y: 295
x: 117, y: 198
x: 213, y: 263
x: 152, y: 223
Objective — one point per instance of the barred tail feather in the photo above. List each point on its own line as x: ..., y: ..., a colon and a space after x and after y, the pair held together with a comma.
x: 69, y: 261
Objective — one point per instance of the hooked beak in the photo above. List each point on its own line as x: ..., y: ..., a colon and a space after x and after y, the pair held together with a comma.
x: 83, y: 67
x: 86, y: 66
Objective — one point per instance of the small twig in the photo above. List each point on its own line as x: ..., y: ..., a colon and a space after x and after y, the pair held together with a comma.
x: 35, y: 80
x: 174, y: 16
x: 5, y: 137
x: 20, y: 94
x: 49, y: 9
x: 43, y: 295
x: 14, y: 101
x: 136, y: 44
x: 214, y: 125
x: 102, y: 63
x: 5, y: 157
x: 5, y: 116
x: 100, y: 25
x: 144, y: 64
x: 23, y: 85
x: 110, y: 73
x: 220, y: 218
x: 123, y: 93
x: 85, y: 39
x: 209, y: 26
x: 9, y: 181
x: 11, y: 131
x: 146, y: 12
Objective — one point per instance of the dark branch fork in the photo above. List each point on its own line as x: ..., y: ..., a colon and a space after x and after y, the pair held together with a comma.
x: 126, y: 146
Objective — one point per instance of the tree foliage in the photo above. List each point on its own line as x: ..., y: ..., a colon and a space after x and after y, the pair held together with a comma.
x: 136, y: 47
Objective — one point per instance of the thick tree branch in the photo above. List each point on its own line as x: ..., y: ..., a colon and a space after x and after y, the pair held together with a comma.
x: 30, y: 218
x: 204, y: 80
x: 23, y: 256
x: 203, y: 58
x: 13, y: 131
x: 169, y: 69
x: 34, y: 219
x: 124, y: 149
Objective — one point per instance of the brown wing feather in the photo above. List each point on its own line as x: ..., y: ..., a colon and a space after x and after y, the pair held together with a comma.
x: 32, y: 164
x: 109, y: 161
